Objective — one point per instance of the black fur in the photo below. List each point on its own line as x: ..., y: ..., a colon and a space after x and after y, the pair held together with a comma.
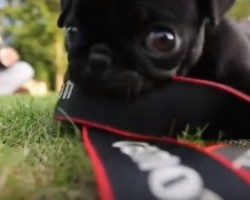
x: 126, y: 47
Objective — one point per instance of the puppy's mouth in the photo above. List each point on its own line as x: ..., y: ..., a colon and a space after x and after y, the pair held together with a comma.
x: 100, y: 75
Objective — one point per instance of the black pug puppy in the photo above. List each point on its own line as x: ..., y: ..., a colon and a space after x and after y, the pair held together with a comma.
x: 126, y: 47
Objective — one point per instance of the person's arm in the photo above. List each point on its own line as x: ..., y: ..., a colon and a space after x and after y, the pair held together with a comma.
x: 14, y: 77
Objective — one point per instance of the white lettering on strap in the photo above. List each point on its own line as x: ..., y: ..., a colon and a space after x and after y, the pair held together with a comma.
x: 66, y: 90
x: 168, y: 179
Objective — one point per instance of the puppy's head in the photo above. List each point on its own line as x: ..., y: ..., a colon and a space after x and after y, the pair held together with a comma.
x: 125, y: 47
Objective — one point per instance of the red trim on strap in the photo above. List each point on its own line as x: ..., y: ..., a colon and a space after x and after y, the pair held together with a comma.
x: 104, y: 186
x: 218, y: 86
x: 243, y: 173
x: 215, y: 147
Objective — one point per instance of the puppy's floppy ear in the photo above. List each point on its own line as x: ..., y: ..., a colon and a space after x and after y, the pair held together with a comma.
x: 65, y: 7
x: 214, y: 10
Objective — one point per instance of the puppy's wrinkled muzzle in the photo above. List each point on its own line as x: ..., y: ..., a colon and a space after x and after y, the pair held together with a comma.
x: 99, y: 58
x: 98, y: 63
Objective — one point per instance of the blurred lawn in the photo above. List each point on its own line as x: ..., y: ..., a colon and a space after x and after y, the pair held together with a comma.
x: 38, y: 161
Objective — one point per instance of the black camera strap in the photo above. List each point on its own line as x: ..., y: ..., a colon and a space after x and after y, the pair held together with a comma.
x: 133, y: 156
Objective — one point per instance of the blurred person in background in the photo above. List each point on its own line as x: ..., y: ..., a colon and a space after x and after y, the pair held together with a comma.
x: 2, y: 67
x: 17, y: 76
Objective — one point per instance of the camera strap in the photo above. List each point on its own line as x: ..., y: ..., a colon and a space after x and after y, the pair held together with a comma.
x: 131, y: 152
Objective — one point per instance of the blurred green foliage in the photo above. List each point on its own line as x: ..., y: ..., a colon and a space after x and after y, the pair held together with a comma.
x: 31, y: 27
x: 241, y: 10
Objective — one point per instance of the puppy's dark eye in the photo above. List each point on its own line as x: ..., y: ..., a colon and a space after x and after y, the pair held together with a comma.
x: 160, y: 39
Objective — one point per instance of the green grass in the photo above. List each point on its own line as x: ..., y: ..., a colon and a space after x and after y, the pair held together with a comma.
x: 38, y: 160
x: 41, y: 161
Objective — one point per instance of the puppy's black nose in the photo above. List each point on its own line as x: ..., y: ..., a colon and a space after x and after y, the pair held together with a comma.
x: 99, y: 58
x: 100, y: 48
